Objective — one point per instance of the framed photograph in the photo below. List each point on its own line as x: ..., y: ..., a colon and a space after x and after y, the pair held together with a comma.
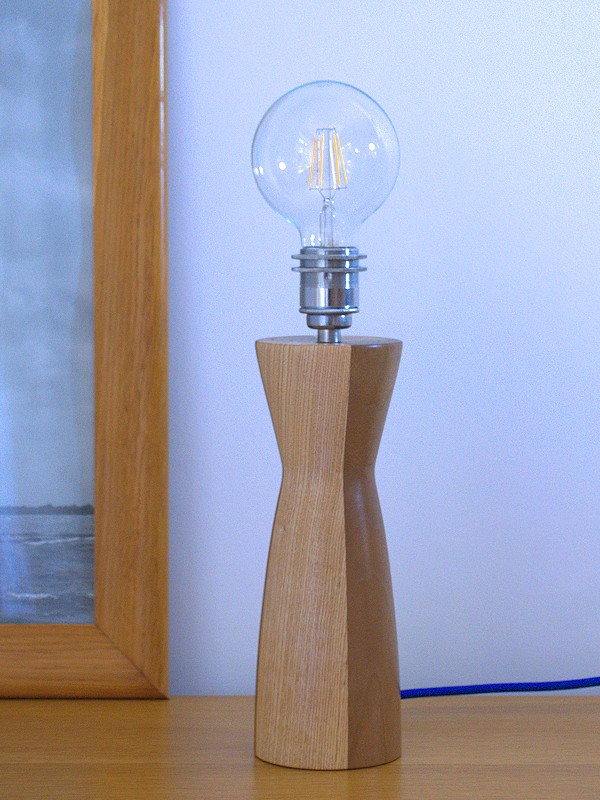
x: 83, y: 349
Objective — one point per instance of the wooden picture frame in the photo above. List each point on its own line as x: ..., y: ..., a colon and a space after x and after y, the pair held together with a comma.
x: 124, y: 653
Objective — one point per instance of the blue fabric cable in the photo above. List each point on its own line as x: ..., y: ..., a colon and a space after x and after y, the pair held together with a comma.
x: 497, y: 688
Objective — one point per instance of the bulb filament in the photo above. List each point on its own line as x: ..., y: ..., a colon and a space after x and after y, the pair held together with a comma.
x: 327, y: 167
x: 327, y: 174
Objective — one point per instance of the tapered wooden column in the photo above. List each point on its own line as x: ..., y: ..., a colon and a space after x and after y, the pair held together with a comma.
x: 328, y: 692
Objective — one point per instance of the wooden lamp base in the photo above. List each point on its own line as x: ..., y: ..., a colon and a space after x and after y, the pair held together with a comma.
x: 328, y: 690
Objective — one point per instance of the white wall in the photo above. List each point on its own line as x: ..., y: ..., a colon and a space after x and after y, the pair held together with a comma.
x: 484, y: 261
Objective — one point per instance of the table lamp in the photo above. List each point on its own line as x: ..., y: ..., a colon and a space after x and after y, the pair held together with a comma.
x: 326, y: 156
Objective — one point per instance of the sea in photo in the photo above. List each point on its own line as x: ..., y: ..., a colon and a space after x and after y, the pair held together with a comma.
x: 47, y: 565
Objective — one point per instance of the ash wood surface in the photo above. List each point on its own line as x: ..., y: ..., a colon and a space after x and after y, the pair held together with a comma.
x: 456, y: 748
x: 302, y: 676
x: 373, y: 674
x: 131, y: 343
x: 327, y: 679
x: 125, y: 652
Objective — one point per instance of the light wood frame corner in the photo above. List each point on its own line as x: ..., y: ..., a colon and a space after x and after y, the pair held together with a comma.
x: 124, y: 653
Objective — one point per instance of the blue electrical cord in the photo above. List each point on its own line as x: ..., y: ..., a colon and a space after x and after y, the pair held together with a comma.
x: 497, y: 688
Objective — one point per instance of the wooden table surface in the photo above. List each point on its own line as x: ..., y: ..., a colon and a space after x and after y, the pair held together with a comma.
x: 514, y: 747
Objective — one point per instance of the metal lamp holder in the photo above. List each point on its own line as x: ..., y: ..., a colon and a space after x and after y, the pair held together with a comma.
x: 329, y: 289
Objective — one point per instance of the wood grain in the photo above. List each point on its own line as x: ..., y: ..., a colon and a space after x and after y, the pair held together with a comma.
x: 327, y: 680
x: 373, y: 673
x: 131, y: 343
x: 302, y: 681
x: 125, y: 652
x: 66, y: 661
x: 455, y: 748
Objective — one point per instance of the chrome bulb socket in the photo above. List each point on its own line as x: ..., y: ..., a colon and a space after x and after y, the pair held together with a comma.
x: 329, y: 288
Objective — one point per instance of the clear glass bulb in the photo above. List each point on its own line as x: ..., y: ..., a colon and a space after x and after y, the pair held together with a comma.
x: 325, y: 156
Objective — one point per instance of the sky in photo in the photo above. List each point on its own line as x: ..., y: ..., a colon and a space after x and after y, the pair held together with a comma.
x: 46, y: 253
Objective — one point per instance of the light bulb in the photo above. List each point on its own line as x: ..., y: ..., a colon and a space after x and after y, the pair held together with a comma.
x: 326, y: 156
